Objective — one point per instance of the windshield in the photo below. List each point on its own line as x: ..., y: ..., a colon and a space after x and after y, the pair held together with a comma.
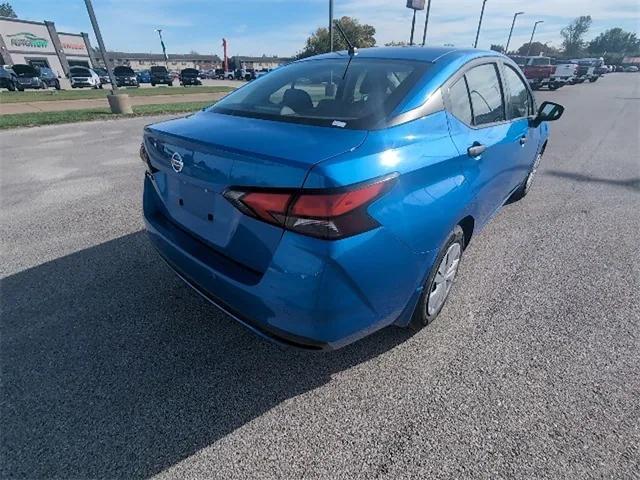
x: 25, y: 71
x: 326, y: 92
x: 123, y: 72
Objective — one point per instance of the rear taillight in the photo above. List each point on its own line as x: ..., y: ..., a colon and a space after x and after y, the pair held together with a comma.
x: 323, y: 213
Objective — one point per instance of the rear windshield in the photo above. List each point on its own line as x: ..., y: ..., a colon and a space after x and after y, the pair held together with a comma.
x: 328, y: 92
x: 25, y: 71
x: 123, y: 71
x: 80, y: 72
x: 190, y: 72
x: 158, y: 70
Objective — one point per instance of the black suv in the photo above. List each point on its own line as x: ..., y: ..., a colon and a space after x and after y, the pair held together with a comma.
x: 160, y: 75
x: 49, y: 77
x: 190, y: 76
x: 28, y: 76
x: 125, y: 77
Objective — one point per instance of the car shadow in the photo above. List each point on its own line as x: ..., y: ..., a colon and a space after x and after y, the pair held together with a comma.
x: 112, y: 367
x: 631, y: 183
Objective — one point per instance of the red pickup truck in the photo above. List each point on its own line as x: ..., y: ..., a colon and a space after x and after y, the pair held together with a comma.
x: 540, y: 72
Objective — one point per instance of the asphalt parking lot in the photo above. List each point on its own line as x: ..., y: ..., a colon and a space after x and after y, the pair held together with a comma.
x: 112, y: 368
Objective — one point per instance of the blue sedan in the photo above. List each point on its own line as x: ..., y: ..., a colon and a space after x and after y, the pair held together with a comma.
x: 336, y: 195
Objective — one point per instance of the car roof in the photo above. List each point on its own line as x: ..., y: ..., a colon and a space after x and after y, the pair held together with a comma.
x: 425, y: 54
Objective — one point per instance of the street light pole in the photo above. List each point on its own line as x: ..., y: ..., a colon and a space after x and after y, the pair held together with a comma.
x: 103, y: 51
x: 331, y: 25
x: 532, y: 34
x: 506, y: 49
x: 475, y: 44
x: 426, y: 23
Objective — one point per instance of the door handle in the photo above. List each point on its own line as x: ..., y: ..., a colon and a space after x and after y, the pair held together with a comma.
x: 523, y: 140
x: 476, y: 149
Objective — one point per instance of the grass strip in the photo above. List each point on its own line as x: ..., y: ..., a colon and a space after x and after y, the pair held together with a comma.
x: 57, y: 95
x: 51, y: 118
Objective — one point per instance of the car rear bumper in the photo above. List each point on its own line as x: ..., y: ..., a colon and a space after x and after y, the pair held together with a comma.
x: 315, y: 294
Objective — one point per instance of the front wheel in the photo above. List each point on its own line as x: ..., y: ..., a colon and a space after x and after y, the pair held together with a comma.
x: 593, y: 79
x: 440, y: 280
x: 57, y: 86
x: 11, y: 86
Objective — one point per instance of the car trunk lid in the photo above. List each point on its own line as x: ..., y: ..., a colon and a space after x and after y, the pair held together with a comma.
x: 198, y: 157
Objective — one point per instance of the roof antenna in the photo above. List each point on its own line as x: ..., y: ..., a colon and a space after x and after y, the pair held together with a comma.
x: 352, y: 50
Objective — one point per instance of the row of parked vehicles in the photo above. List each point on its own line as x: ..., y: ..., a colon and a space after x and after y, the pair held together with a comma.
x: 22, y: 76
x: 553, y: 73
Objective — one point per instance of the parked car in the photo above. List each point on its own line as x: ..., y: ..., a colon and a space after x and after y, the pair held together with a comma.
x: 221, y: 74
x: 84, y: 77
x: 631, y: 69
x: 160, y: 75
x: 49, y: 77
x: 143, y: 76
x: 262, y: 72
x: 125, y: 76
x: 588, y: 69
x: 190, y: 76
x: 103, y: 74
x: 564, y: 74
x: 28, y: 76
x: 317, y: 214
x: 9, y: 79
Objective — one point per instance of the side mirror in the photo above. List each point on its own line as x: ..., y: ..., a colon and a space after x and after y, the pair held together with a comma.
x: 548, y: 112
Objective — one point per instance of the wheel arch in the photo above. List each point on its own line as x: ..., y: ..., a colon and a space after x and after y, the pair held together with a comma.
x: 467, y: 224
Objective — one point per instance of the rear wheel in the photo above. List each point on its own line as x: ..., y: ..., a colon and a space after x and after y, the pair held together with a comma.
x: 57, y: 85
x: 11, y: 86
x: 438, y: 285
x: 593, y: 79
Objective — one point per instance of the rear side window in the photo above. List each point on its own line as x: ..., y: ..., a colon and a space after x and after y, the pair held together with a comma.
x: 460, y: 106
x: 519, y: 98
x: 485, y: 93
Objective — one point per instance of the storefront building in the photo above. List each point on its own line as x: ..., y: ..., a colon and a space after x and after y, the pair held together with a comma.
x: 39, y: 44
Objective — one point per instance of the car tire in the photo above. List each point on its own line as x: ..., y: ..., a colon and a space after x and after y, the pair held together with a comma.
x: 170, y: 84
x: 153, y: 84
x: 11, y: 86
x: 525, y: 187
x: 440, y: 279
x: 593, y: 80
x: 57, y: 85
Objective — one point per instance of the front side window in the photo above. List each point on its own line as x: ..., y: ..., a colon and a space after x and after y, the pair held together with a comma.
x: 485, y: 93
x: 519, y: 98
x: 327, y: 92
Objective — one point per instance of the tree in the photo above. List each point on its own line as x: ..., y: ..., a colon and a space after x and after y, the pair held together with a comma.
x: 573, y: 35
x: 360, y: 35
x: 538, y: 48
x: 614, y: 40
x: 497, y: 48
x: 6, y: 10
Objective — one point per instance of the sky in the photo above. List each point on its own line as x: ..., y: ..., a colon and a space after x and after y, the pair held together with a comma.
x: 280, y: 27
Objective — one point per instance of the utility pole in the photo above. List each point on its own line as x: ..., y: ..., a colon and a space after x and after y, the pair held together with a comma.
x: 532, y: 34
x: 426, y: 23
x: 118, y: 102
x: 413, y: 27
x: 475, y: 44
x: 331, y: 25
x: 506, y: 49
x: 103, y: 51
x: 164, y: 50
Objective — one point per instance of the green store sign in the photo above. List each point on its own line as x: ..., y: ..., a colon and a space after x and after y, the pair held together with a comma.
x: 29, y: 40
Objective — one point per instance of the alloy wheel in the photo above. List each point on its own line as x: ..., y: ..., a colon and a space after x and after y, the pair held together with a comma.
x: 444, y: 278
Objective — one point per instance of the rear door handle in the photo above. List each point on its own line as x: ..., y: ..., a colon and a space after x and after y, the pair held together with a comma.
x: 523, y: 140
x: 476, y: 149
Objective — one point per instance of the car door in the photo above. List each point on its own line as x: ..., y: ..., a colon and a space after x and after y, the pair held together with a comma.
x: 480, y: 131
x: 524, y: 138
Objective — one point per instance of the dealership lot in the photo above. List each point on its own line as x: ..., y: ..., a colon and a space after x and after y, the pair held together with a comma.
x: 113, y: 368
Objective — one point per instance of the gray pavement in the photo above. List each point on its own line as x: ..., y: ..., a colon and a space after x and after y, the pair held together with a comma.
x: 112, y: 368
